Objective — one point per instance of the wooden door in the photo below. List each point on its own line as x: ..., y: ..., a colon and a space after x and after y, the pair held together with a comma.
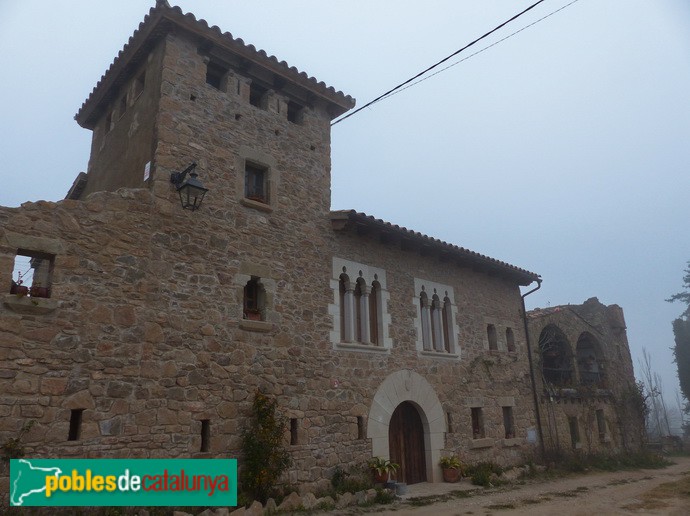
x: 406, y: 442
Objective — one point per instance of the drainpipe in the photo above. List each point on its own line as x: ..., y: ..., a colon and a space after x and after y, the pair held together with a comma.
x: 531, y: 368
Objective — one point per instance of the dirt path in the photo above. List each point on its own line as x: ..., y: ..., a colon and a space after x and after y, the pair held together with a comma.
x: 592, y: 494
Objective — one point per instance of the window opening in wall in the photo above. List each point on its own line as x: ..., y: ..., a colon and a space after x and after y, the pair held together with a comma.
x: 508, y: 422
x: 449, y: 418
x: 32, y: 274
x: 122, y: 107
x: 343, y: 308
x: 556, y: 356
x: 359, y: 301
x: 75, y: 419
x: 108, y: 122
x: 295, y: 112
x: 436, y: 333
x: 601, y: 424
x: 426, y: 321
x: 477, y: 423
x: 205, y: 435
x: 255, y: 183
x: 254, y: 300
x: 493, y: 338
x: 139, y: 84
x: 374, y: 300
x: 294, y: 439
x: 436, y: 318
x: 574, y: 432
x: 510, y: 339
x: 360, y: 428
x: 215, y: 74
x: 257, y: 95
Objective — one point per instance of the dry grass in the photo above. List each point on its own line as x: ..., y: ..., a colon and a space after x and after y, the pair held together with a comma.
x: 655, y: 498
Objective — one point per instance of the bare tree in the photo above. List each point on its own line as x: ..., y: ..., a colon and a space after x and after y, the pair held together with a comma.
x: 657, y: 420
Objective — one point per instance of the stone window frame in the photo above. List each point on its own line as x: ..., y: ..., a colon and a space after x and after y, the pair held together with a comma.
x: 365, y: 276
x: 434, y: 318
x: 46, y: 247
x: 253, y: 157
x: 476, y: 406
x: 501, y: 327
x: 262, y: 274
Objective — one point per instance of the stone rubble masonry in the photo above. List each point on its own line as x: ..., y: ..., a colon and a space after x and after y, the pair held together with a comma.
x: 144, y: 333
x: 625, y: 427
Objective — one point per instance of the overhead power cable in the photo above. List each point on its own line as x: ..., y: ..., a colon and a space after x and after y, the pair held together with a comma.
x: 478, y: 51
x: 411, y: 79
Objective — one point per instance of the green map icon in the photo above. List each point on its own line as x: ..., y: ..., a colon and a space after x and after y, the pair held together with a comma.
x: 28, y: 480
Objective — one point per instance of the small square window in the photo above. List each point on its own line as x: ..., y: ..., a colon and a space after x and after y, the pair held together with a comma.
x: 215, y: 75
x: 477, y: 423
x: 139, y: 84
x: 32, y: 274
x: 256, y: 183
x: 257, y: 95
x: 254, y: 300
x: 508, y: 422
x: 122, y: 106
x: 295, y: 112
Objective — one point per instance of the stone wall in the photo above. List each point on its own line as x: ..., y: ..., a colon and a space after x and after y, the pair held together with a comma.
x: 144, y: 330
x: 614, y: 395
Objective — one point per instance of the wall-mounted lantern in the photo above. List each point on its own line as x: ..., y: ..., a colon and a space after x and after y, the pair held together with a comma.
x: 191, y: 191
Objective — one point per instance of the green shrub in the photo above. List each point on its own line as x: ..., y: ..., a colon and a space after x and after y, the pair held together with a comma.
x: 264, y: 455
x: 480, y: 473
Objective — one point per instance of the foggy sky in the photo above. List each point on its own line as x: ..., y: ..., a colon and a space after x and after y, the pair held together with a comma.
x: 564, y: 150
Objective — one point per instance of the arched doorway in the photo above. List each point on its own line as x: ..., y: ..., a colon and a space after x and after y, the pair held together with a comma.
x: 406, y: 441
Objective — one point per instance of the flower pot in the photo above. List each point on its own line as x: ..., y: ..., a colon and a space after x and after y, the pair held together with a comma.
x: 380, y: 478
x: 451, y: 475
x: 19, y: 290
x: 40, y: 292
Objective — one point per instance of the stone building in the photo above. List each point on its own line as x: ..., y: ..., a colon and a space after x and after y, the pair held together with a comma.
x: 153, y: 325
x: 584, y: 379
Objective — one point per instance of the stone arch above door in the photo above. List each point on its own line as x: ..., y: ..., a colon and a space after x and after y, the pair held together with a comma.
x: 410, y: 386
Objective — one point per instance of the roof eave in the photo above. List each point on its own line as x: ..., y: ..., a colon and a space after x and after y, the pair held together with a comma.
x: 162, y: 19
x: 348, y: 220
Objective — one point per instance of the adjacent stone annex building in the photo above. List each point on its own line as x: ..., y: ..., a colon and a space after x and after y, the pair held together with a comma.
x: 147, y: 327
x: 585, y: 387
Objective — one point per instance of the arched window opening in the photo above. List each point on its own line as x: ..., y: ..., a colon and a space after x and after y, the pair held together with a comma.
x: 346, y: 293
x: 556, y: 356
x: 254, y: 304
x: 426, y: 321
x: 374, y: 301
x: 447, y: 324
x: 589, y: 363
x: 493, y: 338
x: 510, y: 339
x: 360, y: 288
x: 436, y: 330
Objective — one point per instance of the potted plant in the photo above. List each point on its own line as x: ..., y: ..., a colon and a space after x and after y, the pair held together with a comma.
x: 18, y: 288
x: 382, y: 469
x: 452, y: 468
x: 37, y: 290
x: 252, y: 314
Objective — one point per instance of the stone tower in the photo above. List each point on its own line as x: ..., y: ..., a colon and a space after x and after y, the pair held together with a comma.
x: 181, y: 92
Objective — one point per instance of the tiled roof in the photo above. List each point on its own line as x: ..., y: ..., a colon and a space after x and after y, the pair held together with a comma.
x: 462, y: 255
x: 159, y: 21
